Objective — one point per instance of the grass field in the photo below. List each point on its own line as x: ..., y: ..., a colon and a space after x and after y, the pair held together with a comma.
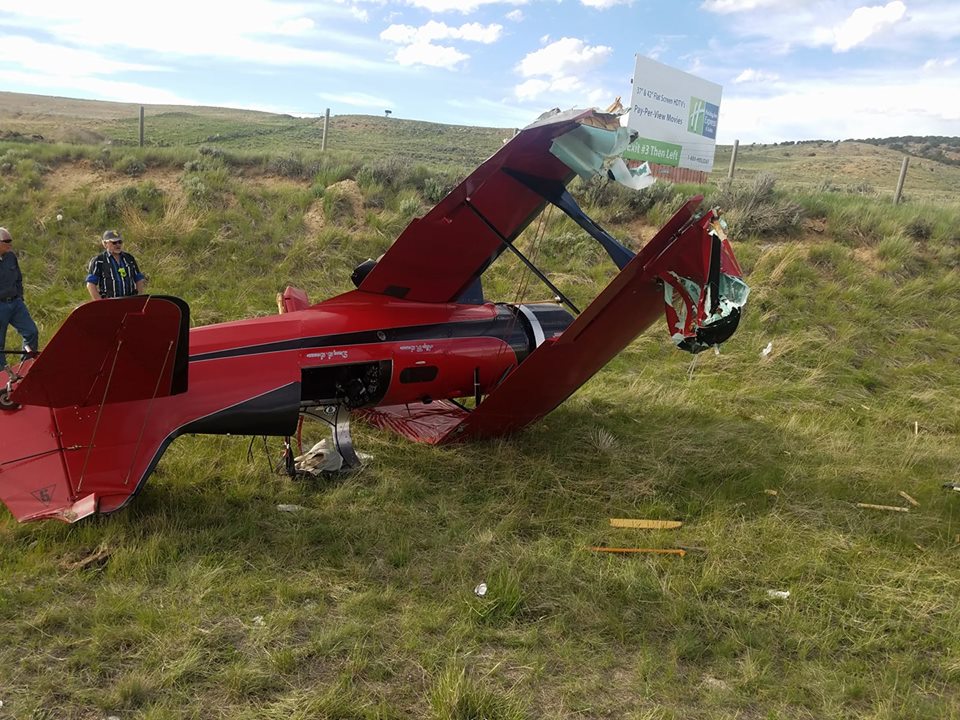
x: 204, y: 600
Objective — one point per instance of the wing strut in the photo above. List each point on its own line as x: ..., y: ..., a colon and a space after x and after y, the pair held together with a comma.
x: 557, y: 194
x: 533, y: 268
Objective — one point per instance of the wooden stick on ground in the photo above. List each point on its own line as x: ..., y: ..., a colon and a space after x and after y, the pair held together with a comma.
x: 645, y: 524
x: 908, y: 499
x: 894, y: 508
x: 657, y: 551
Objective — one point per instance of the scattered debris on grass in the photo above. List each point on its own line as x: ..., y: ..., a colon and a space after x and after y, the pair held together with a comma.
x: 909, y: 499
x: 892, y: 508
x: 779, y: 594
x: 290, y: 508
x: 645, y: 524
x: 97, y: 557
x: 767, y: 350
x: 258, y: 621
x: 480, y: 590
x: 319, y: 459
x: 655, y: 551
x: 774, y: 493
x: 951, y: 486
x: 715, y: 683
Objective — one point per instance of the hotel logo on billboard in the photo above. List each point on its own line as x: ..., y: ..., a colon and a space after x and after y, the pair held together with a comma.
x: 703, y: 117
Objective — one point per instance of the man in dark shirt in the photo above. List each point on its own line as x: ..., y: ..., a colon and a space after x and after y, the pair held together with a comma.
x: 13, y: 311
x: 114, y: 273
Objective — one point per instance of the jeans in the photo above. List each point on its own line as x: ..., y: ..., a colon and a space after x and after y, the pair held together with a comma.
x: 14, y: 312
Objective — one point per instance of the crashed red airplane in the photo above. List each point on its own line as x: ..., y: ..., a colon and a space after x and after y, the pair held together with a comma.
x: 86, y: 421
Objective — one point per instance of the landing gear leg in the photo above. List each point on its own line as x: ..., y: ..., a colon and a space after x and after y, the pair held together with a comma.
x: 339, y: 416
x: 330, y: 455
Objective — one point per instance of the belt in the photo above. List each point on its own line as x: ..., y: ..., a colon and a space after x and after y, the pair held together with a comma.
x: 10, y: 299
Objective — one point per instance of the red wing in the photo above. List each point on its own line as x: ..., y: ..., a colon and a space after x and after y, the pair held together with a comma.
x: 109, y: 351
x: 439, y: 255
x: 625, y: 308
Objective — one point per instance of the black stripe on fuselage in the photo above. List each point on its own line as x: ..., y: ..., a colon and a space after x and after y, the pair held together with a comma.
x: 502, y: 327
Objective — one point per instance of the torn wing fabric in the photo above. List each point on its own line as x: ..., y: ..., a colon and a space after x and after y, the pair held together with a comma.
x: 634, y: 178
x: 704, y: 295
x: 590, y: 151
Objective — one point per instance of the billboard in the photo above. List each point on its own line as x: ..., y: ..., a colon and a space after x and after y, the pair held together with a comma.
x: 675, y: 115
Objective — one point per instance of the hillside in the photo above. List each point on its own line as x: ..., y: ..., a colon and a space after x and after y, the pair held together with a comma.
x: 88, y: 121
x: 207, y: 598
x: 864, y: 167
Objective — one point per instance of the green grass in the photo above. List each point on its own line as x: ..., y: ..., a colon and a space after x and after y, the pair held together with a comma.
x: 203, y: 600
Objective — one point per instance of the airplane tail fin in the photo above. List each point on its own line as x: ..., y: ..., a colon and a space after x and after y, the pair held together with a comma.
x: 111, y: 351
x: 73, y: 430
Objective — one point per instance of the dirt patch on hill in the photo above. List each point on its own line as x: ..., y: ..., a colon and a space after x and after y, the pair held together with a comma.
x: 85, y: 177
x: 314, y: 219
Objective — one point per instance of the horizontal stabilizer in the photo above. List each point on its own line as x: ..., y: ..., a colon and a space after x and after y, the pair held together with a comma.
x: 111, y: 351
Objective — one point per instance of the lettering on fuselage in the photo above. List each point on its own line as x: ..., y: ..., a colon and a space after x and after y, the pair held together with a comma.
x: 424, y: 347
x: 330, y: 355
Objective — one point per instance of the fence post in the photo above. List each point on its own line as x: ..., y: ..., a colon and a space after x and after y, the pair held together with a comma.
x: 733, y: 160
x: 323, y: 138
x: 141, y: 126
x: 903, y: 176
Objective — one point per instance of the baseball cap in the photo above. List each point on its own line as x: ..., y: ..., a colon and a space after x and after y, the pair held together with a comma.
x: 112, y: 235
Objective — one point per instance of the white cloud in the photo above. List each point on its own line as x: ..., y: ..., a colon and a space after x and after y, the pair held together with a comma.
x: 864, y: 22
x: 295, y: 26
x: 939, y: 64
x: 407, y: 34
x: 877, y: 104
x: 839, y: 24
x: 429, y: 54
x: 734, y: 6
x: 476, y: 32
x: 463, y: 6
x: 360, y: 14
x: 35, y: 56
x: 559, y: 68
x: 531, y: 89
x: 604, y: 4
x: 566, y: 56
x: 255, y: 31
x: 515, y: 16
x: 755, y: 76
x: 933, y: 21
x: 419, y: 47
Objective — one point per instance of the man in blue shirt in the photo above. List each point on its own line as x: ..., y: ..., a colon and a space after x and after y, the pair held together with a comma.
x: 114, y: 273
x: 13, y: 311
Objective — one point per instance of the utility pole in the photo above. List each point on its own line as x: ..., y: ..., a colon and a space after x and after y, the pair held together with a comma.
x: 903, y: 176
x: 323, y: 139
x: 141, y: 126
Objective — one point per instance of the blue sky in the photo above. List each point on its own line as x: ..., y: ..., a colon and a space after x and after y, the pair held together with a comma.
x: 790, y: 69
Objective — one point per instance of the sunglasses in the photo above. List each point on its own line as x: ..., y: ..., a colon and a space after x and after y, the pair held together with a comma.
x: 115, y: 242
x: 6, y: 240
